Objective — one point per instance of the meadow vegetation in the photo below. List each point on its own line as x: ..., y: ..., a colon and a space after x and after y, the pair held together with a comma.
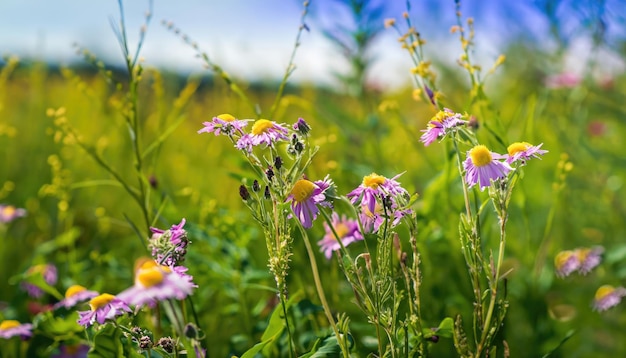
x: 98, y: 155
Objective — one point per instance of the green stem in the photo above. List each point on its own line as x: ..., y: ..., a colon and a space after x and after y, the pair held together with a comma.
x: 320, y: 291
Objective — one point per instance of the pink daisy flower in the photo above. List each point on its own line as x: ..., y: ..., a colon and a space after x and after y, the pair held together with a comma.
x: 224, y: 123
x: 9, y: 213
x: 154, y: 282
x: 566, y: 262
x: 589, y: 258
x: 263, y: 132
x: 346, y: 229
x: 481, y: 167
x: 522, y: 151
x: 172, y: 242
x: 440, y: 124
x: 608, y: 296
x: 11, y: 328
x: 74, y: 295
x: 305, y: 196
x: 103, y: 307
x: 375, y: 186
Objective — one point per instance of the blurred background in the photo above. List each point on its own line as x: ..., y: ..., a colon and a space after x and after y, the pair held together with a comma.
x: 562, y: 84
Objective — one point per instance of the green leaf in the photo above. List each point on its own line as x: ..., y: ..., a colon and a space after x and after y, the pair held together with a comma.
x: 324, y: 348
x: 107, y: 343
x: 446, y: 328
x: 568, y: 335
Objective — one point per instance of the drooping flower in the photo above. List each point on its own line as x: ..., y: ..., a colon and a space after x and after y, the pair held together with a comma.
x: 608, y: 296
x: 11, y: 328
x: 375, y: 186
x: 522, y: 151
x: 9, y: 213
x: 305, y: 196
x: 346, y: 229
x: 154, y: 282
x: 171, y: 243
x: 372, y: 221
x: 74, y: 295
x: 566, y: 262
x: 440, y: 125
x: 224, y: 124
x: 481, y: 167
x: 263, y: 132
x: 103, y: 307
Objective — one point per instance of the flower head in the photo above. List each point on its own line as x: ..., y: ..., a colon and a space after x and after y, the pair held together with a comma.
x: 582, y: 259
x: 375, y: 186
x: 440, y: 125
x: 154, y: 282
x: 9, y: 213
x: 305, y: 196
x: 522, y: 151
x: 608, y: 296
x: 224, y: 123
x: 74, y: 295
x: 72, y: 351
x: 263, y: 132
x: 103, y: 307
x: 172, y: 242
x: 346, y: 229
x: 482, y: 167
x: 301, y: 126
x: 11, y: 328
x: 566, y: 262
x: 49, y: 274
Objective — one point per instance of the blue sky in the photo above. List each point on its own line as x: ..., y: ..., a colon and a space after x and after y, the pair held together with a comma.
x: 250, y: 38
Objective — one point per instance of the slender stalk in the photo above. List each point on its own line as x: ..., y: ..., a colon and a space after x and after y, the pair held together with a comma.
x: 320, y: 291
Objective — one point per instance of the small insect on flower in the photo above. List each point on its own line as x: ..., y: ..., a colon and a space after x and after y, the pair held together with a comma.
x: 481, y: 167
x: 608, y: 296
x: 11, y: 328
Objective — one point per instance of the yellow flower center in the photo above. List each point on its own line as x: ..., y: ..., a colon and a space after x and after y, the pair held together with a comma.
x: 100, y: 301
x: 480, y: 155
x: 342, y: 230
x: 8, y: 324
x: 302, y: 190
x: 8, y: 210
x: 440, y: 116
x: 582, y: 254
x: 373, y: 180
x: 604, y: 291
x: 517, y: 147
x: 561, y: 258
x: 261, y: 126
x: 72, y: 290
x: 226, y: 117
x: 150, y: 277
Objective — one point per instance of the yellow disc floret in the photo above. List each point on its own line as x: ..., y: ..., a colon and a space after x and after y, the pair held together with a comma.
x: 150, y: 277
x: 8, y: 324
x: 441, y: 116
x: 261, y: 126
x: 72, y: 290
x: 8, y: 211
x: 480, y: 155
x: 604, y: 291
x: 302, y: 190
x: 373, y: 180
x: 100, y: 301
x: 562, y: 258
x: 517, y: 147
x: 226, y: 117
x: 342, y: 230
